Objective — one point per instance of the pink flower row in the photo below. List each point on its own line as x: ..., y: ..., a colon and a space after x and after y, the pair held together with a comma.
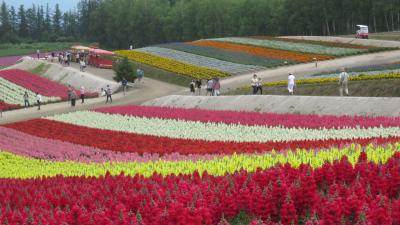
x: 253, y: 118
x: 42, y: 148
x: 35, y: 83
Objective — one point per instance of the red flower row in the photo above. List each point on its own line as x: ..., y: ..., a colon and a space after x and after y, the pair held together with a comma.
x: 5, y: 106
x: 37, y: 83
x: 334, y: 194
x: 130, y: 142
x: 253, y: 118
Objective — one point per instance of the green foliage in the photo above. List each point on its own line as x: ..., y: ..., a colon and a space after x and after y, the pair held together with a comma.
x: 40, y: 69
x: 120, y: 23
x: 124, y: 69
x: 27, y: 48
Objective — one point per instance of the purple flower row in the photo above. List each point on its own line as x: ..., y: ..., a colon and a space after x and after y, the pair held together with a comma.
x: 42, y: 148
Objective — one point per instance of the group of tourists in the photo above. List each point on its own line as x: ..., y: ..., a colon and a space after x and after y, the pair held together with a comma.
x: 72, y: 95
x: 213, y: 87
x: 38, y: 97
x: 257, y: 86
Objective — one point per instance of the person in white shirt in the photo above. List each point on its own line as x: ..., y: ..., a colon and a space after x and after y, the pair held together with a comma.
x: 82, y: 94
x: 343, y: 82
x: 291, y: 83
x: 254, y: 81
x: 82, y: 65
x: 38, y: 100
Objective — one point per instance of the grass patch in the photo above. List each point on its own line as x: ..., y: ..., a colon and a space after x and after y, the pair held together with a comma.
x: 41, y: 69
x: 366, y: 88
x: 29, y: 48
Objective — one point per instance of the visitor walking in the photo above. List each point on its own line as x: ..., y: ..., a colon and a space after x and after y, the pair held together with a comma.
x: 192, y: 87
x: 124, y: 84
x: 82, y: 65
x: 291, y: 83
x: 82, y: 92
x: 216, y: 87
x: 38, y: 54
x: 210, y: 87
x: 343, y: 82
x: 254, y: 81
x: 26, y: 99
x: 198, y: 86
x: 69, y: 92
x: 73, y: 98
x: 52, y: 56
x: 38, y: 100
x: 139, y: 75
x: 259, y: 86
x: 108, y: 93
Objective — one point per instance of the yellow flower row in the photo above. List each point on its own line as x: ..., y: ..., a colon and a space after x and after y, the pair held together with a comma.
x: 13, y: 166
x: 323, y: 80
x: 171, y: 65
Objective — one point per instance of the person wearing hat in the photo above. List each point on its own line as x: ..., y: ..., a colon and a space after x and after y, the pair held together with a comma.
x: 291, y: 83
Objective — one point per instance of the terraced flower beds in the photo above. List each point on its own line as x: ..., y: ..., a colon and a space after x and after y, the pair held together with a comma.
x: 154, y: 165
x: 172, y: 65
x: 263, y: 52
x: 14, y: 83
x: 292, y: 46
x: 201, y: 61
x: 226, y: 55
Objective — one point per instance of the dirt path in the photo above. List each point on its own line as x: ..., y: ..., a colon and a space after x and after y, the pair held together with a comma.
x: 304, y: 70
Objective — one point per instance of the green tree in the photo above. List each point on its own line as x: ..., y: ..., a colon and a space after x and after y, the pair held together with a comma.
x: 23, y: 27
x: 124, y: 69
x: 57, y: 20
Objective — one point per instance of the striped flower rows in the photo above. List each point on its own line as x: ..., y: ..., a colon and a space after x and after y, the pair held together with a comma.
x: 201, y: 61
x: 14, y: 166
x: 13, y: 94
x: 226, y: 55
x: 291, y: 46
x: 263, y: 52
x: 155, y: 165
x: 215, y: 131
x: 171, y: 65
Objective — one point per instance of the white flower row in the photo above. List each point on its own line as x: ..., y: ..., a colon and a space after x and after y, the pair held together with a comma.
x: 202, y: 61
x: 214, y: 131
x: 13, y: 94
x: 290, y: 46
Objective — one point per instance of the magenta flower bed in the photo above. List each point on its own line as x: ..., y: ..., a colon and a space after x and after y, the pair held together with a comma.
x: 43, y: 148
x: 38, y: 84
x: 35, y: 83
x: 253, y: 118
x: 5, y: 106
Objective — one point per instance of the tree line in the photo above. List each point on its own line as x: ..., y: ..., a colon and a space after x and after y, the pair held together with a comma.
x: 121, y: 23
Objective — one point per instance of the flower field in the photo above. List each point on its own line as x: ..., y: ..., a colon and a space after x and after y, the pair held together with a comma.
x: 14, y: 83
x: 229, y: 56
x: 331, y: 79
x: 155, y: 165
x: 262, y: 52
x: 171, y: 65
x: 221, y: 57
x: 292, y: 46
x: 201, y: 61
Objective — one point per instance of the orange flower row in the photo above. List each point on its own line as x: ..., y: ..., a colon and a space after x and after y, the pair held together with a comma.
x: 264, y: 52
x: 323, y: 43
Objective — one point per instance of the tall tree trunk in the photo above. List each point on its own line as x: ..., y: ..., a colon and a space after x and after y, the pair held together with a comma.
x: 392, y: 17
x: 387, y: 23
x: 327, y: 27
x: 375, y: 27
